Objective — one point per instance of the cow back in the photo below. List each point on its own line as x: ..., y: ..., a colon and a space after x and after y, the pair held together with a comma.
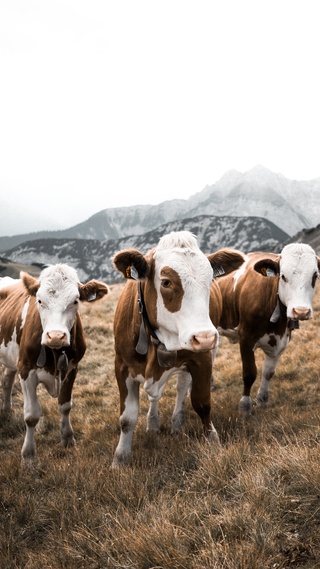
x: 14, y: 306
x: 247, y: 295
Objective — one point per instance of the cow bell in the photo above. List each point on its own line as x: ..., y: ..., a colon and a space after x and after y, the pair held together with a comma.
x: 293, y: 324
x: 165, y: 358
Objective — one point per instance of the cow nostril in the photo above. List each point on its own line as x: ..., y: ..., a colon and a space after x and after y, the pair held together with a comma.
x: 205, y: 341
x: 301, y: 313
x: 55, y: 336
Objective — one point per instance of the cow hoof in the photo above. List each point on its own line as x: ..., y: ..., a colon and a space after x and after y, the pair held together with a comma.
x: 153, y: 425
x: 245, y: 406
x: 177, y: 424
x: 119, y: 464
x: 213, y: 436
x: 69, y: 442
x: 29, y: 462
x: 262, y: 401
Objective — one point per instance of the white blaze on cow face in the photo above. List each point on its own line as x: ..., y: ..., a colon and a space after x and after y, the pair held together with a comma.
x: 183, y: 276
x: 298, y: 274
x: 58, y: 301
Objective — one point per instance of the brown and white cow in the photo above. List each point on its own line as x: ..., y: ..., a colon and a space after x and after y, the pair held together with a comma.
x: 263, y: 302
x: 165, y: 324
x: 42, y: 338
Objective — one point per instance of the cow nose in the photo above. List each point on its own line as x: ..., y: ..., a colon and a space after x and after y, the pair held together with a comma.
x: 55, y: 339
x: 301, y: 313
x: 204, y: 341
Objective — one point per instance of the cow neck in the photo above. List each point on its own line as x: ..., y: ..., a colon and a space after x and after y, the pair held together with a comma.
x: 292, y: 323
x: 61, y: 361
x: 165, y: 357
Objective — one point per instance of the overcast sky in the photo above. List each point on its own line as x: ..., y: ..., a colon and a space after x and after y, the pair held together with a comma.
x: 124, y: 102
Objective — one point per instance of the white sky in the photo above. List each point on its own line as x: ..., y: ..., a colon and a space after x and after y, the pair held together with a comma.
x: 112, y: 103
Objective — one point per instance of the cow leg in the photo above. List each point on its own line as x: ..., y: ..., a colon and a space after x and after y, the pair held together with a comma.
x: 129, y: 405
x: 64, y: 405
x: 272, y: 357
x: 7, y: 384
x: 269, y: 366
x: 32, y: 413
x: 249, y: 374
x: 154, y: 390
x: 201, y: 396
x: 214, y: 353
x: 153, y: 416
x: 184, y: 381
x: 182, y: 386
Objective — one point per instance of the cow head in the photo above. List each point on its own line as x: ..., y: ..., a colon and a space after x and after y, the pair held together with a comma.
x: 298, y: 270
x: 58, y: 294
x: 177, y: 278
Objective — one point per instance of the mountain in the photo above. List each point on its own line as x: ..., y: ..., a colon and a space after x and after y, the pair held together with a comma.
x: 290, y: 204
x: 92, y: 257
x: 309, y: 236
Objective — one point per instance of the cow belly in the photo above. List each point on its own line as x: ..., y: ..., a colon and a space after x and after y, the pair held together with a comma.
x: 230, y: 333
x: 273, y: 344
x: 50, y: 382
x: 154, y: 388
x: 9, y: 353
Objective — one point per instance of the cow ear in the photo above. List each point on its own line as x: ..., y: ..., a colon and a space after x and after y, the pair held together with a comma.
x: 267, y: 267
x: 131, y: 263
x: 225, y: 261
x: 31, y: 283
x: 93, y: 290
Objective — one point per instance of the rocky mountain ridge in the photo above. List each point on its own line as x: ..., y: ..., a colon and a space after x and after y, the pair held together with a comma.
x: 93, y: 257
x: 290, y: 204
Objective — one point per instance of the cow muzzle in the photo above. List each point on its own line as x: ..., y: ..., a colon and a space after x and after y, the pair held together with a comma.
x: 301, y: 313
x: 204, y: 341
x: 56, y: 339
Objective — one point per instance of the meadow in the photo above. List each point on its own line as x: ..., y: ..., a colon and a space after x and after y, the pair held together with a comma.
x: 253, y: 503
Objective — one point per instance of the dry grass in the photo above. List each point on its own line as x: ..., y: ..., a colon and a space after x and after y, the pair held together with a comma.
x: 254, y: 504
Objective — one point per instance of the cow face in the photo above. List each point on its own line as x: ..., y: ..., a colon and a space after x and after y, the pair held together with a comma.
x: 182, y: 279
x: 177, y: 278
x: 58, y: 294
x: 298, y: 271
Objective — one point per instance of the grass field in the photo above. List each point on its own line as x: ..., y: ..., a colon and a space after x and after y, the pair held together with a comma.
x: 252, y: 504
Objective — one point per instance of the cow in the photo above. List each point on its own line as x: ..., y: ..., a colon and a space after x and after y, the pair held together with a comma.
x: 263, y: 301
x: 164, y: 324
x: 42, y: 339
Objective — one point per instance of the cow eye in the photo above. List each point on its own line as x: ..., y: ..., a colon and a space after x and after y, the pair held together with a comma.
x: 314, y: 279
x: 284, y: 278
x: 165, y: 283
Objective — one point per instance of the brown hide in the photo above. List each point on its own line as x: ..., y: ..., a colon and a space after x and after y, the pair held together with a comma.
x: 196, y: 366
x: 251, y: 304
x: 12, y: 301
x: 248, y: 307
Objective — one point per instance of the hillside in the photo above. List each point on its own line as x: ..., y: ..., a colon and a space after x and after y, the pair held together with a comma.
x: 253, y: 503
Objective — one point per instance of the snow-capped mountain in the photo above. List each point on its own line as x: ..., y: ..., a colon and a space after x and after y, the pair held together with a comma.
x: 290, y: 204
x: 92, y: 257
